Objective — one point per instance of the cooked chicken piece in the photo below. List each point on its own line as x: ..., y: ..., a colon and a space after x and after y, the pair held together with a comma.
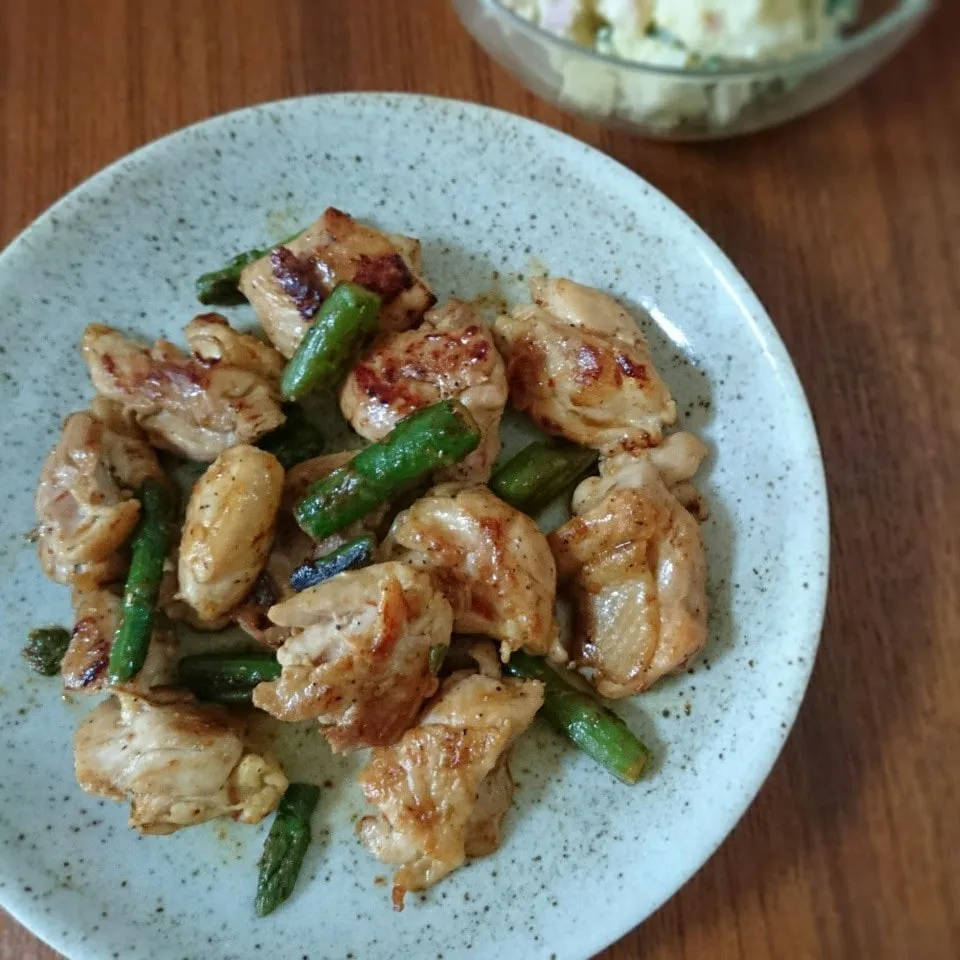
x: 633, y: 561
x: 84, y: 503
x: 83, y: 576
x: 292, y: 548
x: 493, y: 802
x: 228, y: 529
x: 288, y: 286
x: 359, y: 661
x: 435, y: 807
x: 84, y: 666
x: 580, y: 366
x: 213, y: 340
x: 176, y: 609
x: 677, y: 459
x: 473, y: 655
x: 178, y: 762
x: 450, y: 355
x: 197, y: 408
x: 490, y: 561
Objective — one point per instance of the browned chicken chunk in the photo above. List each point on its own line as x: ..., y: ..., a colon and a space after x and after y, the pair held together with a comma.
x: 178, y: 762
x: 85, y: 504
x: 677, y: 459
x: 84, y: 666
x: 358, y: 659
x: 580, y: 366
x: 228, y: 530
x: 491, y: 562
x: 292, y: 547
x: 213, y: 340
x: 632, y: 558
x: 197, y: 406
x: 288, y: 286
x: 443, y: 789
x: 450, y: 355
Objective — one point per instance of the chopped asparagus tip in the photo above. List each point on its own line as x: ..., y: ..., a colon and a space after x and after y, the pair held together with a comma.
x: 149, y: 547
x: 346, y: 320
x: 221, y: 287
x: 353, y: 555
x: 594, y: 728
x: 285, y: 847
x: 45, y: 649
x: 430, y: 439
x: 539, y: 473
x: 227, y: 677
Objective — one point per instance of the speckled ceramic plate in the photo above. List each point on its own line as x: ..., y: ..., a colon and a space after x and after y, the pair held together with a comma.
x: 494, y: 197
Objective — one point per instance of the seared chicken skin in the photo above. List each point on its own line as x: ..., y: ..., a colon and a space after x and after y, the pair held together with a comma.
x: 228, y: 530
x: 288, y: 286
x: 435, y: 804
x: 177, y: 761
x: 196, y: 406
x: 579, y: 365
x: 84, y: 666
x: 85, y: 504
x: 632, y: 558
x: 358, y: 659
x: 491, y: 562
x: 450, y: 355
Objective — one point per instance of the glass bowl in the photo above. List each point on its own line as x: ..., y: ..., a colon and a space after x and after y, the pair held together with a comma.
x: 673, y: 103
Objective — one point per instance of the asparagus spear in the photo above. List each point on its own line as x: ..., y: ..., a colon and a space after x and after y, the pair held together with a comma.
x: 348, y: 316
x: 149, y: 548
x: 297, y: 440
x: 221, y: 286
x: 430, y: 439
x: 227, y: 677
x: 351, y: 556
x: 541, y: 472
x: 45, y: 649
x: 595, y: 729
x: 285, y: 846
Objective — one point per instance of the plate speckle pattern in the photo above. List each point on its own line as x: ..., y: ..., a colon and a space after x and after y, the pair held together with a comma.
x: 494, y: 198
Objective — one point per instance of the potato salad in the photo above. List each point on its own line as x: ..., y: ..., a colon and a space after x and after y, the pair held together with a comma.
x: 689, y: 32
x: 704, y: 37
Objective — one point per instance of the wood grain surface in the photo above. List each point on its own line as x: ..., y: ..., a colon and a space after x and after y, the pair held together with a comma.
x: 848, y: 226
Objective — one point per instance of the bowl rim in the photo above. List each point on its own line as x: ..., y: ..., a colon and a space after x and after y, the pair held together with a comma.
x: 902, y: 14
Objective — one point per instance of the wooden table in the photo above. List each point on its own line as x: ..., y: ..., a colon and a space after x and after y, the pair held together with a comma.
x: 848, y: 226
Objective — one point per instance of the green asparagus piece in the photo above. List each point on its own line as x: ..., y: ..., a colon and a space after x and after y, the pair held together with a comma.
x: 594, y: 728
x: 436, y: 657
x: 45, y: 649
x: 430, y: 439
x: 149, y: 548
x: 539, y: 473
x: 351, y: 556
x: 285, y: 846
x: 227, y: 677
x: 346, y: 319
x: 221, y: 286
x: 297, y: 440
